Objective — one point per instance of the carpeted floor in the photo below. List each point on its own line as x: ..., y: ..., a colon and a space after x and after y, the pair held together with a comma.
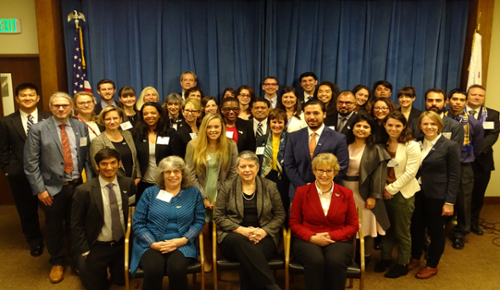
x: 475, y: 267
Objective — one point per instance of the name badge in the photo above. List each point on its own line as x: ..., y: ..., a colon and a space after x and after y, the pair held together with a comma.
x: 332, y: 127
x: 126, y: 125
x: 83, y: 142
x: 392, y: 163
x: 260, y: 150
x: 229, y: 134
x: 165, y: 196
x: 447, y: 135
x: 488, y: 125
x: 163, y: 140
x: 174, y: 126
x: 193, y: 135
x: 208, y: 157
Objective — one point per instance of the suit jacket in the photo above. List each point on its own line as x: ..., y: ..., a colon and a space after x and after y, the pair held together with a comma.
x: 246, y: 137
x: 102, y: 141
x: 450, y: 126
x: 98, y: 108
x: 298, y: 159
x: 229, y: 209
x: 372, y: 179
x: 255, y: 131
x: 161, y: 150
x: 440, y: 171
x: 181, y: 138
x: 200, y: 181
x: 87, y: 213
x: 414, y: 114
x: 294, y: 124
x: 485, y: 158
x: 333, y: 119
x: 408, y: 159
x: 12, y: 139
x: 43, y: 156
x: 308, y: 218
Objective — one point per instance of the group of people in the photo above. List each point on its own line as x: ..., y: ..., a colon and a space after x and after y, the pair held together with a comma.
x: 251, y: 165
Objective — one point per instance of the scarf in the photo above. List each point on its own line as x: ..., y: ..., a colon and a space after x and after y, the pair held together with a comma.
x: 483, y: 114
x: 464, y: 120
x: 267, y: 163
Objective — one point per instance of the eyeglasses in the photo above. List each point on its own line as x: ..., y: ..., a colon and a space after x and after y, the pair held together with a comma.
x: 383, y: 109
x: 63, y: 106
x: 175, y: 171
x: 344, y: 103
x: 244, y: 96
x: 227, y: 110
x: 270, y: 84
x: 321, y: 171
x: 191, y: 111
x: 85, y: 103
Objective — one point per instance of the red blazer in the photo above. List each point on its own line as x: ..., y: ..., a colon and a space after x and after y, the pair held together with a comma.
x: 308, y: 218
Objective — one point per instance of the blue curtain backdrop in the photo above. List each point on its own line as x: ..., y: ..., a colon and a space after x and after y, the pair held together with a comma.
x: 228, y: 43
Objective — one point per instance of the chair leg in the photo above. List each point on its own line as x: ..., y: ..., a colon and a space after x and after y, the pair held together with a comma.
x: 136, y: 283
x: 350, y: 284
x: 202, y: 280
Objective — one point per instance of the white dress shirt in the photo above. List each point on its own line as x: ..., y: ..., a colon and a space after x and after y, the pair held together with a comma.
x: 427, y: 146
x: 256, y: 126
x: 24, y: 119
x: 273, y: 101
x: 318, y: 133
x: 325, y: 197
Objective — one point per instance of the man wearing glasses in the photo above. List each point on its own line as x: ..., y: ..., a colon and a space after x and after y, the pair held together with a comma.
x: 270, y: 88
x: 55, y: 153
x: 341, y: 121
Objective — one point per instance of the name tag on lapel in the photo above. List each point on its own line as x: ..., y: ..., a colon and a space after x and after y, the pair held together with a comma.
x: 260, y: 150
x: 165, y: 196
x: 488, y: 125
x: 229, y: 134
x: 447, y: 135
x: 83, y: 142
x: 193, y: 135
x: 125, y: 126
x: 332, y: 127
x: 392, y: 163
x: 163, y: 140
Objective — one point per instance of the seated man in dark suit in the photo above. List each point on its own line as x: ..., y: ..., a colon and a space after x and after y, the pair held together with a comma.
x: 303, y: 145
x: 308, y: 82
x: 106, y: 88
x: 98, y: 222
x: 342, y: 120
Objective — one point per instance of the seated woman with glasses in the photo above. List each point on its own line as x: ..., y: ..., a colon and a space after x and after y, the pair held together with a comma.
x: 167, y: 220
x: 378, y: 110
x: 246, y: 96
x: 187, y: 130
x: 249, y: 214
x: 241, y: 131
x: 323, y: 219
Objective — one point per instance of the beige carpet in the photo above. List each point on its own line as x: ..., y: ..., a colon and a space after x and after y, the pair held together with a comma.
x: 475, y: 267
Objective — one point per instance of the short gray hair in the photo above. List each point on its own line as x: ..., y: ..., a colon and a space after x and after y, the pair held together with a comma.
x: 173, y: 98
x: 247, y: 155
x: 60, y: 95
x: 172, y: 162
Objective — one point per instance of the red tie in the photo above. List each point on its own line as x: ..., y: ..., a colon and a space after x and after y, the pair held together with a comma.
x: 68, y: 161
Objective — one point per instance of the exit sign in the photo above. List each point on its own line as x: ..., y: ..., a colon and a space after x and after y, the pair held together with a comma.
x: 10, y: 25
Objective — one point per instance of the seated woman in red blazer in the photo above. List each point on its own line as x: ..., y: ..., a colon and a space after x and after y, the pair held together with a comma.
x: 323, y: 219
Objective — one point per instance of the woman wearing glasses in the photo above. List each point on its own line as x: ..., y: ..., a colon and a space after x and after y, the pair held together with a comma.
x: 378, y: 110
x: 246, y: 96
x: 239, y: 130
x: 84, y: 111
x: 187, y: 130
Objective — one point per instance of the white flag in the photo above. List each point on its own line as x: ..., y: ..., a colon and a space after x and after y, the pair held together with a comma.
x: 475, y: 67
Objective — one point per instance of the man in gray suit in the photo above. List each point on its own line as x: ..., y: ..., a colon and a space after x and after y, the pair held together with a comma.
x: 55, y: 153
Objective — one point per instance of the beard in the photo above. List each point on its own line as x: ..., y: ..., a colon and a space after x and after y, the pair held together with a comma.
x: 439, y: 111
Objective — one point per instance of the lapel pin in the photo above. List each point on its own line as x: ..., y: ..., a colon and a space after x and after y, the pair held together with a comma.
x: 241, y: 132
x: 337, y: 195
x: 179, y: 206
x: 319, y: 144
x: 124, y: 191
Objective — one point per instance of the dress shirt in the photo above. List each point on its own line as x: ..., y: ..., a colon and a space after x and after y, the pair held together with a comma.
x: 306, y: 97
x: 104, y: 105
x: 325, y: 197
x: 318, y: 133
x: 476, y: 115
x: 72, y: 144
x: 256, y: 126
x: 106, y: 234
x: 273, y: 101
x: 24, y: 119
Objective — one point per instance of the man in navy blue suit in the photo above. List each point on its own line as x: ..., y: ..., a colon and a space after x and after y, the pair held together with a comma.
x: 305, y: 144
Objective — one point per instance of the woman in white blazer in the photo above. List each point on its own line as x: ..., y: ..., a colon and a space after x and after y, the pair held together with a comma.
x: 288, y: 102
x: 401, y: 186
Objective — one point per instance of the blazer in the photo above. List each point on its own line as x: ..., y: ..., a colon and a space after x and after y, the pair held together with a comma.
x: 142, y: 147
x: 255, y: 131
x: 298, y: 159
x: 181, y: 138
x: 408, y: 159
x: 246, y: 137
x: 12, y: 140
x: 449, y: 126
x: 372, y: 178
x: 229, y: 209
x: 294, y: 124
x: 308, y: 218
x: 484, y: 160
x: 87, y: 213
x: 414, y: 114
x: 333, y: 119
x: 440, y: 171
x: 43, y: 156
x: 98, y: 108
x: 200, y: 181
x: 102, y: 141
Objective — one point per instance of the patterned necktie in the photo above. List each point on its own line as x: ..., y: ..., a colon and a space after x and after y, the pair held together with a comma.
x: 312, y: 144
x: 30, y: 122
x: 116, y: 227
x: 259, y: 130
x: 341, y: 124
x: 68, y: 161
x: 472, y: 113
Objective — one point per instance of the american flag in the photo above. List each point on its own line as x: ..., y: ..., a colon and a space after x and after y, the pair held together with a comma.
x: 80, y: 81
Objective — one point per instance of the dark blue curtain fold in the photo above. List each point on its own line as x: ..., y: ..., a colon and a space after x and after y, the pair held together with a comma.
x: 228, y: 43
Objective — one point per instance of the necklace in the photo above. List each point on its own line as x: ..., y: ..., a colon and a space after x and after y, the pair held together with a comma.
x: 248, y: 198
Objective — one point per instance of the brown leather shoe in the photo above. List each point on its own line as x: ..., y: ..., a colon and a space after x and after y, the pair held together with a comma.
x: 56, y: 274
x: 413, y: 264
x: 426, y: 272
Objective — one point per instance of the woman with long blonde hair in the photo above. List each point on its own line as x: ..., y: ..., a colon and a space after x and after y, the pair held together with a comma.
x: 211, y: 157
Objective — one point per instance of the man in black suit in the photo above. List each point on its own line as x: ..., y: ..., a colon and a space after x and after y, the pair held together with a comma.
x: 13, y: 132
x: 308, y: 82
x: 260, y: 111
x: 342, y: 120
x: 98, y: 222
x: 484, y: 164
x: 106, y: 88
x: 270, y: 87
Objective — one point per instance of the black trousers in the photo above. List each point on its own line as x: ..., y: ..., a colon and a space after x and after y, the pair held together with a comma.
x: 325, y: 267
x: 154, y: 262
x: 58, y: 222
x: 464, y: 201
x: 255, y: 273
x: 427, y: 214
x: 283, y: 185
x: 93, y: 270
x: 27, y: 208
x: 481, y: 180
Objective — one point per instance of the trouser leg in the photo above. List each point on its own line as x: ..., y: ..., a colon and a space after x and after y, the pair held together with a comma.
x: 338, y: 256
x: 311, y: 257
x: 177, y: 265
x: 463, y: 202
x: 417, y: 228
x: 96, y: 266
x: 436, y: 230
x: 481, y: 180
x: 402, y: 210
x: 153, y: 264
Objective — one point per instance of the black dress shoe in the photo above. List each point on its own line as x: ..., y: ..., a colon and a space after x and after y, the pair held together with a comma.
x: 458, y: 243
x: 36, y: 250
x: 476, y: 230
x: 398, y: 271
x: 382, y: 265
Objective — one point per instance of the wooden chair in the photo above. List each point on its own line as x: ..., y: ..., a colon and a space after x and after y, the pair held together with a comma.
x: 221, y: 263
x: 354, y: 271
x: 195, y: 267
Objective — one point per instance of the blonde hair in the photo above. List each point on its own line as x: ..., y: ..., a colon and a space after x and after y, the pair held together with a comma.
x: 328, y: 159
x: 201, y: 146
x: 121, y: 113
x: 195, y: 102
x: 140, y: 102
